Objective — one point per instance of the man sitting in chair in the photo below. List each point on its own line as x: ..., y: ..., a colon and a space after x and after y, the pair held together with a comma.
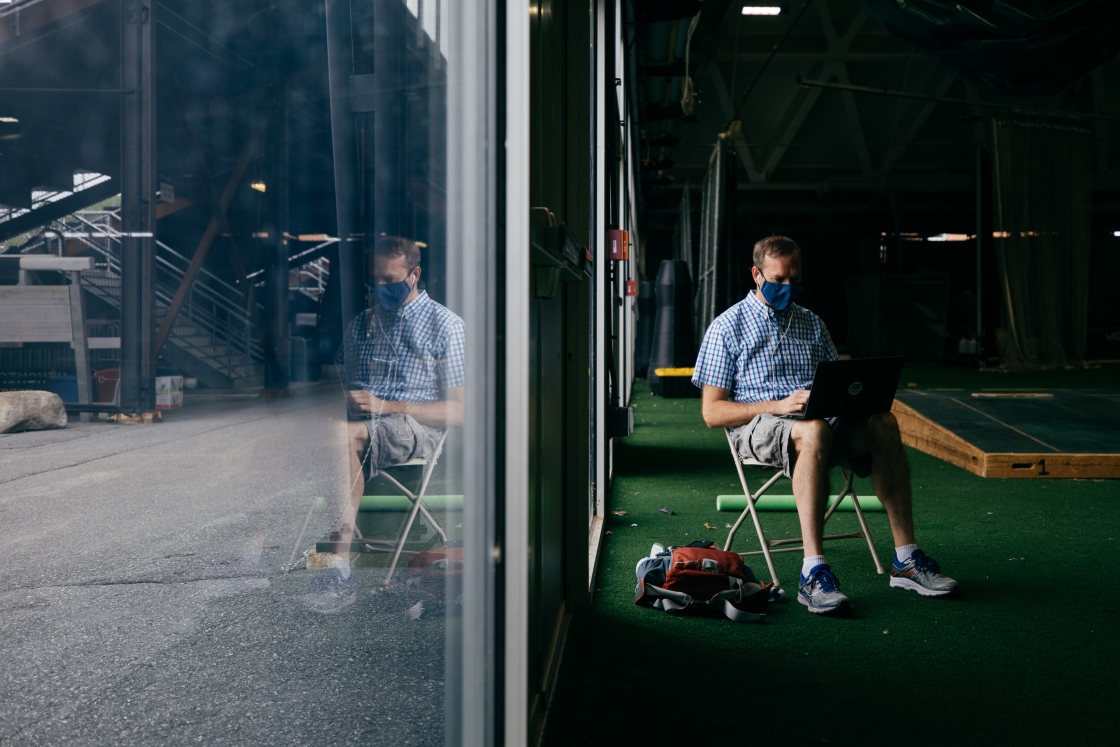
x: 755, y: 366
x: 403, y: 359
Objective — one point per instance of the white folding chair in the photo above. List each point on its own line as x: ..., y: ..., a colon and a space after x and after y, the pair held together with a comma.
x: 396, y: 546
x: 752, y: 499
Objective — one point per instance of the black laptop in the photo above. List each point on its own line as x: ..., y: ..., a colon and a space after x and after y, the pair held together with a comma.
x: 853, y: 388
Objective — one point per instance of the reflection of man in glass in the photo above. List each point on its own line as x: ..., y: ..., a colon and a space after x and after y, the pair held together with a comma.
x: 403, y: 361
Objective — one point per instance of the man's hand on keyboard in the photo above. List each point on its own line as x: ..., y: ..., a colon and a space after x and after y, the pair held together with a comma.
x: 794, y: 404
x: 364, y: 402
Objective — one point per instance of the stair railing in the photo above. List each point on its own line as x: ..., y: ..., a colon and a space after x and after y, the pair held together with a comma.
x: 208, y: 306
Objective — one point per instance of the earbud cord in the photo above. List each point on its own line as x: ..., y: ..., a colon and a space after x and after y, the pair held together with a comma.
x: 782, y: 336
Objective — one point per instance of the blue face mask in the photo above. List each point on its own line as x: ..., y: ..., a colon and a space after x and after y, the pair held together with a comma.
x: 779, y: 296
x: 390, y: 296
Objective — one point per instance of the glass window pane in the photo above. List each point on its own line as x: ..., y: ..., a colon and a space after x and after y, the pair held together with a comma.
x: 233, y: 364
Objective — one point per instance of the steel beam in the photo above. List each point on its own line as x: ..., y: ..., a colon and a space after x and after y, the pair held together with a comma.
x: 792, y: 119
x: 27, y: 17
x: 217, y: 211
x: 741, y: 147
x: 275, y: 331
x: 807, y: 83
x: 210, y: 233
x: 895, y: 151
x: 340, y: 65
x: 197, y: 38
x: 79, y: 343
x: 44, y: 214
x: 138, y: 205
x: 839, y: 46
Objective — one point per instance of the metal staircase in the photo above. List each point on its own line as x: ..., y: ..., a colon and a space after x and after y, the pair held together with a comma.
x: 213, y: 336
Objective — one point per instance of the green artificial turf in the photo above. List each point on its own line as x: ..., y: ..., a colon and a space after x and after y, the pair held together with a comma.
x: 1029, y: 655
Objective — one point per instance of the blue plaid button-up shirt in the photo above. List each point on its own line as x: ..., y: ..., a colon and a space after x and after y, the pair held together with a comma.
x: 761, y: 355
x: 412, y: 354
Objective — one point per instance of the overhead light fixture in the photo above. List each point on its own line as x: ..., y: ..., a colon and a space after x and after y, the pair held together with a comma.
x: 1116, y: 234
x: 258, y: 185
x: 9, y: 120
x: 763, y: 10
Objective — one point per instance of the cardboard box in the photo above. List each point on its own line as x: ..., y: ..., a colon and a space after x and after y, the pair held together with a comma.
x: 168, y: 400
x: 168, y: 384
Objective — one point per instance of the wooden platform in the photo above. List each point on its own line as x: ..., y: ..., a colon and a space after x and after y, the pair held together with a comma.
x: 1016, y: 433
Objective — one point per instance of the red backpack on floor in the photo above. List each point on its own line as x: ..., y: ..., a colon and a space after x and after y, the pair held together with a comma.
x: 430, y: 571
x: 701, y: 579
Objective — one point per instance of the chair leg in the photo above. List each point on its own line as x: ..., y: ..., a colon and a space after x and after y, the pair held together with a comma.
x: 849, y: 490
x: 400, y: 543
x: 746, y: 491
x: 866, y: 531
x: 762, y: 540
x: 752, y: 510
x: 417, y: 507
x: 413, y: 497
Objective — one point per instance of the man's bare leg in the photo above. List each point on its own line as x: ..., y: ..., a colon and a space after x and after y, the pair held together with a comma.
x: 890, y: 476
x: 811, y: 442
x: 333, y: 588
x: 357, y: 444
x: 890, y: 472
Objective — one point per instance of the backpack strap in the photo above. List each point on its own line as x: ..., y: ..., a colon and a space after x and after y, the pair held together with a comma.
x: 724, y: 602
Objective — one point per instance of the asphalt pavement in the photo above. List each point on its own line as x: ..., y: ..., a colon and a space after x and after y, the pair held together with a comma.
x: 143, y: 598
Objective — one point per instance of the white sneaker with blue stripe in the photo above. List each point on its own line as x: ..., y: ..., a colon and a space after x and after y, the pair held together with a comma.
x: 820, y: 592
x: 922, y: 574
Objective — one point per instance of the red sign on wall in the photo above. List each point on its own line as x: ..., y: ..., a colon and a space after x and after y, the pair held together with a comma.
x: 620, y: 244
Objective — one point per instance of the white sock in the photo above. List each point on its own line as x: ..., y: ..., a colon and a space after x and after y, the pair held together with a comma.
x: 342, y: 564
x: 811, y: 562
x: 903, y: 553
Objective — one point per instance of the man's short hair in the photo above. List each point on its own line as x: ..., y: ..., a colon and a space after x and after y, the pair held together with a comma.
x: 776, y: 246
x: 395, y: 246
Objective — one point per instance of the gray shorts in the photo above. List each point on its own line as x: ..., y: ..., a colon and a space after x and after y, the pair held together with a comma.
x: 766, y: 439
x: 396, y: 439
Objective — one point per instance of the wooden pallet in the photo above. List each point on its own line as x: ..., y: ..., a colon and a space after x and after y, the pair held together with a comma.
x: 140, y: 418
x: 926, y: 434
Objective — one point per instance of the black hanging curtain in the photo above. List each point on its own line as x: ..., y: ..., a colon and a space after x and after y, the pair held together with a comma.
x: 1043, y: 203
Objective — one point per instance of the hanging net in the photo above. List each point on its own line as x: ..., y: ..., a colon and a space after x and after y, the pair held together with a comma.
x: 720, y: 265
x: 1042, y: 216
x: 683, y: 240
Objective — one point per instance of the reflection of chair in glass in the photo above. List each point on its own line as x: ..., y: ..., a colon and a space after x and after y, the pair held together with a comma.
x: 358, y: 543
x: 333, y: 542
x: 417, y: 500
x: 752, y: 498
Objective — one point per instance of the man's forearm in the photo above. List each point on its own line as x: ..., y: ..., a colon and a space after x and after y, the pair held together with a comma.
x: 725, y: 414
x: 432, y: 414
